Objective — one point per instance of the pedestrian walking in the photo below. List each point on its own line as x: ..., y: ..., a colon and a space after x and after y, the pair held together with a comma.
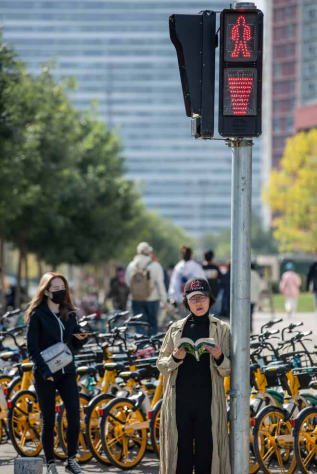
x: 185, y: 269
x: 256, y: 283
x: 52, y: 319
x: 290, y: 288
x: 119, y: 291
x: 193, y: 432
x: 214, y: 277
x: 145, y: 280
x: 311, y: 283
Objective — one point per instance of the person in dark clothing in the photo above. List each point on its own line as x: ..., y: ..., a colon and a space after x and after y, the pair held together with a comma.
x: 119, y: 291
x: 214, y: 278
x: 225, y: 284
x: 213, y: 273
x: 51, y: 319
x: 312, y: 279
x: 193, y: 415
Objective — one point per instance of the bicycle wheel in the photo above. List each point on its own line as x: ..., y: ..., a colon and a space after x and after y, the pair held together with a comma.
x: 155, y: 427
x: 5, y: 380
x: 305, y: 440
x: 25, y: 424
x: 310, y: 398
x: 92, y: 422
x: 124, y: 445
x: 273, y: 442
x: 84, y: 455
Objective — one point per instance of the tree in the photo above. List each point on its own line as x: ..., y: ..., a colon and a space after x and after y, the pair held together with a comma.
x: 262, y: 241
x: 165, y: 237
x: 291, y: 193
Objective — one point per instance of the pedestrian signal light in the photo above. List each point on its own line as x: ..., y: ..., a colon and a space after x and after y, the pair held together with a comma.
x: 195, y: 41
x: 240, y: 73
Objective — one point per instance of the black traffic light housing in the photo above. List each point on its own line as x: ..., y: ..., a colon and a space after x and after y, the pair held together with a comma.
x: 240, y: 73
x: 195, y: 40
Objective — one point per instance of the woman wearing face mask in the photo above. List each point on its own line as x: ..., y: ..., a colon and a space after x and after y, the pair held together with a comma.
x: 193, y: 431
x: 52, y: 319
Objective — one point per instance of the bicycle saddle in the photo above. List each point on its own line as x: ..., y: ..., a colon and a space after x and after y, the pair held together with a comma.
x: 27, y: 366
x: 113, y: 366
x: 86, y: 370
x: 12, y: 356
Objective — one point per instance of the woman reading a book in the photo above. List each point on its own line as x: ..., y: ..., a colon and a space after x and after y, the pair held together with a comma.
x: 194, y: 359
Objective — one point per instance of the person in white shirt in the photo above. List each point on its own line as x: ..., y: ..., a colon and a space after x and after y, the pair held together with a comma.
x: 186, y: 269
x: 149, y: 305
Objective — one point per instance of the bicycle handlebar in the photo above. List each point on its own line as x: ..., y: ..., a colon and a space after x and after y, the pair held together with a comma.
x: 271, y: 323
x: 9, y: 314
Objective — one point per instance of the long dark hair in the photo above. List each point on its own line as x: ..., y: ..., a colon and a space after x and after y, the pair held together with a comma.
x: 66, y: 306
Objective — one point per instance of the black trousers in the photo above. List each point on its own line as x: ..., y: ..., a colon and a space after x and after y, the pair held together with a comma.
x: 195, y: 445
x: 66, y: 386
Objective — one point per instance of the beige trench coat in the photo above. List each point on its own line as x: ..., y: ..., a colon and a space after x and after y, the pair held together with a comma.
x: 169, y: 368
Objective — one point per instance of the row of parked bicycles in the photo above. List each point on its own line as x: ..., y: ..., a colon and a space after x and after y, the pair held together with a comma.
x: 121, y: 396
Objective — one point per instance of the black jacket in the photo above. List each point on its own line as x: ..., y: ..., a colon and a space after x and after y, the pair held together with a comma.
x: 312, y: 277
x: 44, y: 331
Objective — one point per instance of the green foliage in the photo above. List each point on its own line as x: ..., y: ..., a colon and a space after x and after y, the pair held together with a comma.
x: 165, y: 238
x: 262, y: 241
x: 63, y: 192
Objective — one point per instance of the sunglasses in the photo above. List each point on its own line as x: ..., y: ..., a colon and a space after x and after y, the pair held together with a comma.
x: 199, y: 299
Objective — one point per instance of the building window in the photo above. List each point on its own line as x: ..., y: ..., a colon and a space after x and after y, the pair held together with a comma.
x: 289, y: 123
x: 290, y: 31
x: 279, y: 14
x: 277, y: 70
x: 276, y: 125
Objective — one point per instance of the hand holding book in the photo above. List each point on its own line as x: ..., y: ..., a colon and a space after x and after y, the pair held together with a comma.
x: 199, y: 347
x: 179, y: 353
x: 214, y: 351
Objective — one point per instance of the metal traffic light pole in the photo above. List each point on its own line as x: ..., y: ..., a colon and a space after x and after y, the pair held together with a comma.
x: 241, y: 197
x: 240, y: 303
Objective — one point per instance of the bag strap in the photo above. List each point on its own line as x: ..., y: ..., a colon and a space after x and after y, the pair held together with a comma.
x: 61, y: 325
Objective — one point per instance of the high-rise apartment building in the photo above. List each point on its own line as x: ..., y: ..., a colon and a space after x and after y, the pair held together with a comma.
x: 285, y: 63
x: 120, y: 53
x: 306, y: 113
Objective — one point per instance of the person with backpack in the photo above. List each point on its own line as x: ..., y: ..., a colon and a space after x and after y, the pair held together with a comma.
x: 145, y: 279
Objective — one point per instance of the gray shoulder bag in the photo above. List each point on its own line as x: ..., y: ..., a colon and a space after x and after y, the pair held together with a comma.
x: 59, y: 355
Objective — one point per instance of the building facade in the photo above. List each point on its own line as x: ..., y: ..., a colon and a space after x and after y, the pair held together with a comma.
x: 121, y: 54
x: 306, y: 112
x: 285, y: 63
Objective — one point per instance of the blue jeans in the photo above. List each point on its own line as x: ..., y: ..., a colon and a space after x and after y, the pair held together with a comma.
x: 150, y: 311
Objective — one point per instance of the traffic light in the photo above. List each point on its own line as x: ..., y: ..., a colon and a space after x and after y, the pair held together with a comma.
x: 195, y: 40
x: 240, y: 73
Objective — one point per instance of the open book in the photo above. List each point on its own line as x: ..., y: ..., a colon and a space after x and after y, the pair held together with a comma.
x: 196, y: 348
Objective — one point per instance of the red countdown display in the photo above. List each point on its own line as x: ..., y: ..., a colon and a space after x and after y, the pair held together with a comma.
x: 241, y: 37
x: 240, y: 87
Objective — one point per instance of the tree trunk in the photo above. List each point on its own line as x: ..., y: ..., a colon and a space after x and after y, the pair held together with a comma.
x: 19, y: 276
x: 26, y: 273
x: 2, y: 276
x: 39, y: 268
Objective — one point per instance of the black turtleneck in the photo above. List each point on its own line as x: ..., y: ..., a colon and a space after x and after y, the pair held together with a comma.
x: 193, y: 375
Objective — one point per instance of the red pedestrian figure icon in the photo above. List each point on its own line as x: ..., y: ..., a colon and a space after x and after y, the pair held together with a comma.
x: 240, y: 34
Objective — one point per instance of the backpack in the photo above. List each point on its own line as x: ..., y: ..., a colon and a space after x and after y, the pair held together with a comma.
x: 140, y: 285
